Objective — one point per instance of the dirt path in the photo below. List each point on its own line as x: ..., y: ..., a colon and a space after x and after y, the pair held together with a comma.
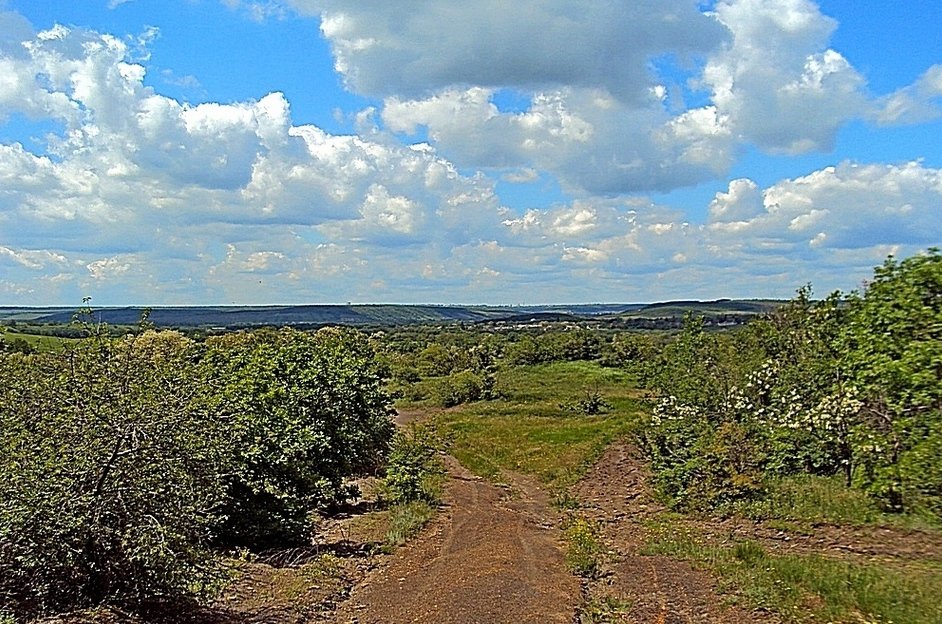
x: 653, y: 589
x: 493, y: 556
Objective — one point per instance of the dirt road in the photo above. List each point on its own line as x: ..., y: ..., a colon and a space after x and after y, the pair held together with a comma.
x: 493, y: 556
x: 653, y: 588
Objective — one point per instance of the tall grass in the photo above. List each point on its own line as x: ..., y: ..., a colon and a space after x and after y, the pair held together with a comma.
x: 406, y: 520
x: 806, y: 499
x: 813, y: 588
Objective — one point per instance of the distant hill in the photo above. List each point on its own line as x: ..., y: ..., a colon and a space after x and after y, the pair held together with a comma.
x: 232, y: 317
x: 252, y: 316
x: 706, y: 308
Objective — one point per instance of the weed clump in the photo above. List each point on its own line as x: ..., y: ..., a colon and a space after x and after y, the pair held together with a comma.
x: 585, y: 550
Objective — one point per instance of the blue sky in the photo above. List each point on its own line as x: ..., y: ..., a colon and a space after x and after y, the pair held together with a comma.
x: 315, y: 151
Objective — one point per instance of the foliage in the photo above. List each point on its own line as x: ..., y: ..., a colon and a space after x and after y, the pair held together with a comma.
x: 14, y: 344
x: 415, y: 469
x: 306, y: 411
x: 108, y: 474
x: 893, y: 345
x: 462, y: 387
x: 406, y: 520
x: 568, y: 346
x: 123, y: 461
x: 605, y: 610
x: 592, y: 403
x: 702, y: 443
x: 846, y: 385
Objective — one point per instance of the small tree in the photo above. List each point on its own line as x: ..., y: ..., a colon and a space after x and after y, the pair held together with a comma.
x: 108, y: 474
x: 306, y: 412
x: 893, y: 347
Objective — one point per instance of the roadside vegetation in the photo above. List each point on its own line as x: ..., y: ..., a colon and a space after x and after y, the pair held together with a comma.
x: 127, y: 465
x: 848, y: 387
x: 151, y: 467
x: 824, y: 413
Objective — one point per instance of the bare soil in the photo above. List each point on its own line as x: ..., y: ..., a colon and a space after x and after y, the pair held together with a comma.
x: 652, y: 589
x: 493, y: 555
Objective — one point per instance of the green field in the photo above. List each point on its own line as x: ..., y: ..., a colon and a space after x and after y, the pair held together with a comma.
x: 39, y: 343
x: 537, y: 427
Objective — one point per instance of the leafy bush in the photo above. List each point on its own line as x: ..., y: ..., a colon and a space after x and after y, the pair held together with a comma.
x: 847, y: 385
x: 415, y: 470
x: 109, y: 475
x: 458, y: 388
x: 306, y: 412
x: 123, y: 461
x: 592, y: 403
x: 893, y: 345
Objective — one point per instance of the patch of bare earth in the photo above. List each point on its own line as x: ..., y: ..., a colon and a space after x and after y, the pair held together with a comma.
x: 651, y: 588
x: 660, y: 589
x: 493, y: 555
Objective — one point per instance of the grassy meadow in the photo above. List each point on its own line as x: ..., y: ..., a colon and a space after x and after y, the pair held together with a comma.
x: 537, y: 427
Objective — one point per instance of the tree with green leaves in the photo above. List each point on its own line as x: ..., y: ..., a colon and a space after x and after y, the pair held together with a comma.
x: 109, y: 484
x: 892, y: 346
x: 846, y: 385
x: 306, y: 412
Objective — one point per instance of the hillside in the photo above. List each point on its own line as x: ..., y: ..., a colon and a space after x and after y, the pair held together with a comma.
x: 233, y: 317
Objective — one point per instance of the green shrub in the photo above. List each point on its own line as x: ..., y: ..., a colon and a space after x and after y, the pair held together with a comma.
x: 123, y: 461
x: 415, y: 470
x: 849, y: 385
x: 458, y: 388
x: 109, y: 475
x: 306, y: 412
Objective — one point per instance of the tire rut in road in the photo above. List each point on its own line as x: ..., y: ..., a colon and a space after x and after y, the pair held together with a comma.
x: 490, y: 557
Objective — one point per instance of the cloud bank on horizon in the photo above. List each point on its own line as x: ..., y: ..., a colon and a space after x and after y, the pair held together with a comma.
x: 468, y: 112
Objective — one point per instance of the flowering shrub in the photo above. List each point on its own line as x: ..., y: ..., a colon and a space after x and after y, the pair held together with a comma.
x: 847, y: 385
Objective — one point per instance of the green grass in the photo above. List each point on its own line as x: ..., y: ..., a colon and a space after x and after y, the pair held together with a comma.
x: 406, y: 520
x: 812, y: 588
x: 39, y: 343
x: 532, y: 431
x: 801, y: 500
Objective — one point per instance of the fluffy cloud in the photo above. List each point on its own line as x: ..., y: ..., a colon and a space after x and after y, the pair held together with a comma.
x: 823, y: 227
x: 135, y: 178
x: 780, y: 85
x: 589, y: 139
x: 850, y: 206
x: 609, y: 110
x: 419, y: 48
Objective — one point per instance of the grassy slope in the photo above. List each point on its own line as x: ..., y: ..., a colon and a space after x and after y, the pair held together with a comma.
x: 40, y: 343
